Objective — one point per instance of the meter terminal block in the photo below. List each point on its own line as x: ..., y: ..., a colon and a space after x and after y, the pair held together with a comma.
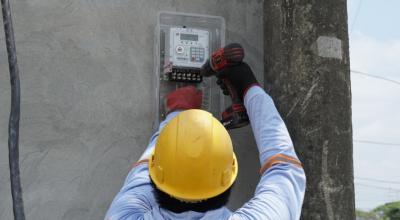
x: 189, y: 75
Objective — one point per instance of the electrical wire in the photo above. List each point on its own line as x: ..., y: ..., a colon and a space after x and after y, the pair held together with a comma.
x: 355, y: 16
x: 375, y: 142
x: 377, y: 180
x: 379, y: 187
x: 375, y: 76
x: 13, y: 126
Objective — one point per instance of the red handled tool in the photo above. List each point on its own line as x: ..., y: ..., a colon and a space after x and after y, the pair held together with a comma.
x: 235, y: 116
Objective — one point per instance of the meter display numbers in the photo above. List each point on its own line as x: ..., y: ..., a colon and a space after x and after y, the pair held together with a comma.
x: 190, y: 37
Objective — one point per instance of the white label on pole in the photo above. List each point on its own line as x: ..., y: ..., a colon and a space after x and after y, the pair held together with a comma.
x: 330, y: 47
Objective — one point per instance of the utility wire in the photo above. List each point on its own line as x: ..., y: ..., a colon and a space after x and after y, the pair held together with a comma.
x: 381, y: 78
x: 355, y: 16
x: 378, y: 180
x: 13, y: 125
x: 378, y: 187
x: 375, y: 142
x: 375, y: 76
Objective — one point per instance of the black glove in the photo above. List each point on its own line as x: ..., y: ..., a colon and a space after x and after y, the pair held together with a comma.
x: 240, y: 76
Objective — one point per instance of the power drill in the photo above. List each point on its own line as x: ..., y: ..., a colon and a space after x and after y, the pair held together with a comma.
x: 235, y: 116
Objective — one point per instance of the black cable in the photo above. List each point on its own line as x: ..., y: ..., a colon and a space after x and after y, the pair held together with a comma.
x: 13, y: 126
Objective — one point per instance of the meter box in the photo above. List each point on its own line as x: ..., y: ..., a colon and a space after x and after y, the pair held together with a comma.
x: 183, y: 43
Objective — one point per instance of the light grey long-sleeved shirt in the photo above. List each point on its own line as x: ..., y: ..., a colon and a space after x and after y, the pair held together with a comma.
x: 279, y: 194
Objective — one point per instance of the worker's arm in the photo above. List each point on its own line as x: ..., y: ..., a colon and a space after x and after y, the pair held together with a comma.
x: 136, y: 196
x: 280, y: 192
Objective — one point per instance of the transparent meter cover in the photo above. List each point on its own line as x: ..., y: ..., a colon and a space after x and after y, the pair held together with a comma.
x: 183, y: 42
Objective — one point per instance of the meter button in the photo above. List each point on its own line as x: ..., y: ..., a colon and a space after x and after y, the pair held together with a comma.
x: 179, y: 49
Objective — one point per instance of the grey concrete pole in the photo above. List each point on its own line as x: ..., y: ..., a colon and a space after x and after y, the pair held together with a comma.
x: 306, y: 51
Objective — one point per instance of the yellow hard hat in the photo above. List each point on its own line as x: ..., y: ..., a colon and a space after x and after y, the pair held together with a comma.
x: 193, y: 159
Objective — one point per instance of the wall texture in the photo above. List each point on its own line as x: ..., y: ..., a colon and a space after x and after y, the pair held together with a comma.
x: 86, y: 73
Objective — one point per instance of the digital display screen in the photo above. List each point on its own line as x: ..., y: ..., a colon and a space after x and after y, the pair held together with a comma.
x: 191, y: 37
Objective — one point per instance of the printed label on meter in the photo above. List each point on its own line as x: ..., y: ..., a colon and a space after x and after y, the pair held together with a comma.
x: 188, y: 47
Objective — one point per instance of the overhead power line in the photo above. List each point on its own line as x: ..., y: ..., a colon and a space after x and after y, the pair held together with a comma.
x: 355, y: 16
x: 377, y: 180
x: 375, y: 76
x: 378, y: 187
x: 375, y: 142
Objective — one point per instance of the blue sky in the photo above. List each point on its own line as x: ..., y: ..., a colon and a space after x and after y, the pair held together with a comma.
x: 378, y: 19
x: 375, y: 48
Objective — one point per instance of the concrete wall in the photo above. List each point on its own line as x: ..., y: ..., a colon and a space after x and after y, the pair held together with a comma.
x: 86, y: 72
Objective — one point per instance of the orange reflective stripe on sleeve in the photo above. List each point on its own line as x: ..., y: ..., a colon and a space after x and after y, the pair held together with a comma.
x: 278, y: 159
x: 139, y: 163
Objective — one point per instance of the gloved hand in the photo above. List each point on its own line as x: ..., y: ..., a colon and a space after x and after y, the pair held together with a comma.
x: 184, y: 98
x: 240, y: 76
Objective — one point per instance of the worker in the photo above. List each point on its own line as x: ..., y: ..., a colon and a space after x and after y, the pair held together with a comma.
x: 189, y: 167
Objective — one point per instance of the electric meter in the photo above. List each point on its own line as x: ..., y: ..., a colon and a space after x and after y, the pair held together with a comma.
x: 183, y: 43
x: 189, y: 50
